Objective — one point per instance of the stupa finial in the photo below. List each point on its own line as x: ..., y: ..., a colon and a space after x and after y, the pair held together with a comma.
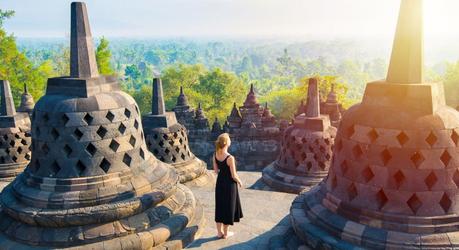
x: 407, y: 60
x: 82, y: 56
x: 313, y: 102
x: 7, y: 103
x: 157, y: 105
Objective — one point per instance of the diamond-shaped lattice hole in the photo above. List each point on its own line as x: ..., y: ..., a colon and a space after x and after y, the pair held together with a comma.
x: 445, y: 203
x: 431, y: 180
x: 167, y: 151
x: 352, y: 192
x: 114, y: 145
x: 91, y: 149
x: 55, y: 168
x: 132, y: 141
x: 417, y: 158
x: 183, y: 156
x: 456, y: 178
x: 102, y: 131
x: 105, y: 165
x: 177, y: 149
x: 110, y: 116
x: 78, y: 134
x: 455, y: 137
x: 385, y: 156
x: 45, y: 117
x: 27, y: 156
x: 309, y: 165
x: 357, y: 151
x: 127, y: 113
x: 12, y: 143
x: 402, y: 138
x: 414, y: 203
x: 431, y: 139
x: 88, y: 119
x: 122, y: 128
x: 23, y: 142
x: 136, y: 124
x: 67, y: 150
x: 127, y: 160
x: 381, y: 199
x: 175, y: 135
x: 373, y: 135
x: 368, y: 174
x: 344, y: 166
x: 45, y: 148
x: 181, y: 141
x: 14, y: 158
x: 142, y: 154
x: 20, y: 150
x: 399, y: 179
x: 65, y: 119
x: 80, y: 168
x: 161, y: 143
x: 54, y: 133
x: 445, y: 158
x: 174, y: 159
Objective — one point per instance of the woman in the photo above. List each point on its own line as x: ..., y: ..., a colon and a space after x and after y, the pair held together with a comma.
x: 227, y: 204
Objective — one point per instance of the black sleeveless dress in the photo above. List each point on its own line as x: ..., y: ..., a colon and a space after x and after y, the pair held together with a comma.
x: 227, y: 204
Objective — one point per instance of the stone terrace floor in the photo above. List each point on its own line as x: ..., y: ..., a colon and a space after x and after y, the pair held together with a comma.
x: 265, y: 216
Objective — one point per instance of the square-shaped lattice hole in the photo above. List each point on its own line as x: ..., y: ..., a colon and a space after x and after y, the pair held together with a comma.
x: 78, y: 134
x: 101, y: 132
x: 122, y: 128
x: 80, y: 168
x: 127, y: 113
x: 132, y: 141
x: 114, y: 145
x: 91, y: 149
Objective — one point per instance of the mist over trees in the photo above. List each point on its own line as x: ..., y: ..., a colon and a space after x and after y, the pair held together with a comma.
x: 215, y: 73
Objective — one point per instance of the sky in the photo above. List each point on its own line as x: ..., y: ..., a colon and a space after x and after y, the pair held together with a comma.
x: 229, y: 18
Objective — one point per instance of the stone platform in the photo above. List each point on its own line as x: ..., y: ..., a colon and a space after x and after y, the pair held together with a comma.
x: 265, y: 224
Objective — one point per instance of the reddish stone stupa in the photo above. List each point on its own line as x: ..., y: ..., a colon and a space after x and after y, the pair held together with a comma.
x: 306, y: 149
x: 394, y: 179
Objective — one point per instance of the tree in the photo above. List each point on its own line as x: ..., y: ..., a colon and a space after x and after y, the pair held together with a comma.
x: 15, y: 66
x: 104, y: 57
x: 451, y: 81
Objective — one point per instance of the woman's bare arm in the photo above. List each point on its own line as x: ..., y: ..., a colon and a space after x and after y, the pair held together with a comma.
x: 215, y: 165
x: 232, y: 166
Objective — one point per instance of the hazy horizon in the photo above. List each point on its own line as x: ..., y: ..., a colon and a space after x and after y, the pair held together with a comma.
x: 297, y: 19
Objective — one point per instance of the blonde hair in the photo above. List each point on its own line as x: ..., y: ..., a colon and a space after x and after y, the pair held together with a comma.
x: 222, y: 141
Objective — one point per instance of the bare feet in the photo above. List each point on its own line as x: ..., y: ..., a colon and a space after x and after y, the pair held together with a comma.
x: 220, y: 235
x: 229, y: 234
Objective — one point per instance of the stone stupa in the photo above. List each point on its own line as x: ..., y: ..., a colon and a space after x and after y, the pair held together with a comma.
x: 92, y: 183
x: 27, y: 102
x: 15, y: 140
x: 306, y: 149
x: 394, y: 180
x: 168, y: 141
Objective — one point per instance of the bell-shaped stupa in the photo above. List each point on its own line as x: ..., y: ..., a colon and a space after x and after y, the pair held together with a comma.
x: 15, y: 140
x: 27, y: 102
x: 92, y: 183
x: 394, y: 180
x: 168, y: 141
x: 306, y: 149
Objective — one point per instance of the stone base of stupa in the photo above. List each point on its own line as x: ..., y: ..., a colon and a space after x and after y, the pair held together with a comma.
x: 165, y: 215
x: 194, y: 173
x: 281, y: 180
x: 321, y: 228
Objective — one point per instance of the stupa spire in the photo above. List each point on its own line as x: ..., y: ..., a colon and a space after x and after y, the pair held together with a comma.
x: 7, y: 103
x: 157, y: 105
x: 407, y: 60
x: 82, y: 57
x: 313, y: 102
